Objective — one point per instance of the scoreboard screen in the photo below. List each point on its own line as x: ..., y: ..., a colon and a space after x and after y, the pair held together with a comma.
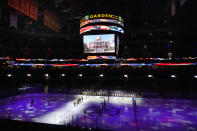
x: 100, y: 43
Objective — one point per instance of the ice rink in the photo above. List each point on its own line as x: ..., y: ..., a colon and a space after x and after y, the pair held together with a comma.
x: 114, y: 113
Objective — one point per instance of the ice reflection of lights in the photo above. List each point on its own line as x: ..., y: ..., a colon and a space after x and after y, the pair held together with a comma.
x: 63, y: 115
x: 25, y: 88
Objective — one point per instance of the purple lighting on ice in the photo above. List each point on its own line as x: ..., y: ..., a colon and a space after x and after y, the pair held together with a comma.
x: 117, y: 113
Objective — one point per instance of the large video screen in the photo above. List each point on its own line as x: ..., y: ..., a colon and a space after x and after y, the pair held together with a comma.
x: 103, y: 43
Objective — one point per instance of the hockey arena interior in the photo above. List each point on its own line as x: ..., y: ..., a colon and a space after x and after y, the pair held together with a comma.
x: 100, y: 65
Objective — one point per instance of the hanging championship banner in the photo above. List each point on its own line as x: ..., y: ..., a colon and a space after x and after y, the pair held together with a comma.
x: 47, y: 17
x: 24, y: 6
x: 182, y: 2
x: 173, y: 8
x: 33, y: 10
x: 55, y: 24
x: 13, y: 20
x: 51, y: 21
x: 0, y: 15
x: 14, y: 4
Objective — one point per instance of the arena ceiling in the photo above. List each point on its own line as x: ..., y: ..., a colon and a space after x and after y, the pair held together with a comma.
x: 148, y: 24
x: 139, y: 15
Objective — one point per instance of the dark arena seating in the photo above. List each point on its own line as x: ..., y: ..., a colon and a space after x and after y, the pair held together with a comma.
x: 98, y: 65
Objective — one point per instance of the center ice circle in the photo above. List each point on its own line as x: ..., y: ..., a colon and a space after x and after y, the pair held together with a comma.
x: 104, y: 112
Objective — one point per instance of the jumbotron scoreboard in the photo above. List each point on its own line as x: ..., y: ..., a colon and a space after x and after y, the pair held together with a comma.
x: 100, y: 33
